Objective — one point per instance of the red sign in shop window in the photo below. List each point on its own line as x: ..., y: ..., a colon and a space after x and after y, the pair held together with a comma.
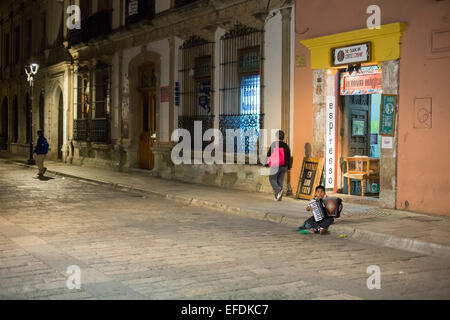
x: 367, y: 81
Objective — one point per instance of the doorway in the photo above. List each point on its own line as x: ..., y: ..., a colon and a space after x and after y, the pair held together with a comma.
x: 361, y: 140
x: 147, y: 115
x: 147, y: 128
x: 357, y: 109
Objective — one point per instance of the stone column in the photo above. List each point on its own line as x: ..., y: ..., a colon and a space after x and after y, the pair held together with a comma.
x: 388, y: 157
x: 319, y: 113
x: 286, y: 83
x: 73, y: 80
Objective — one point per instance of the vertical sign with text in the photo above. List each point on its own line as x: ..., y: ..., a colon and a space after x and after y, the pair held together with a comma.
x: 387, y: 114
x: 331, y: 142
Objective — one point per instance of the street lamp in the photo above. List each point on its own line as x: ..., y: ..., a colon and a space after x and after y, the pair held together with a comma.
x: 31, y: 70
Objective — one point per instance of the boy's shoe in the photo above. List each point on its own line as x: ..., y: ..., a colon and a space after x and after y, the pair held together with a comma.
x: 279, y: 195
x: 323, y: 231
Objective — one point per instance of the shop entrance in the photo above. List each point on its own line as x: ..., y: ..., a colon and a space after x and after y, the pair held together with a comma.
x: 361, y: 99
x: 358, y: 119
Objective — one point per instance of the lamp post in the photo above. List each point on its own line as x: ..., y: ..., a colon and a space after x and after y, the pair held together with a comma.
x: 31, y: 70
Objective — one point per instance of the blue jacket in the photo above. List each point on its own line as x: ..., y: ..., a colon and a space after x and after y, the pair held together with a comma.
x: 41, y: 146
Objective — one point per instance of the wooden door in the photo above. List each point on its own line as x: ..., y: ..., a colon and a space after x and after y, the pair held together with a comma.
x: 358, y: 116
x: 147, y: 128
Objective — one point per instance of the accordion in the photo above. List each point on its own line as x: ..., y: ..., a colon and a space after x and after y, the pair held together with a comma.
x: 317, y: 209
x: 331, y: 207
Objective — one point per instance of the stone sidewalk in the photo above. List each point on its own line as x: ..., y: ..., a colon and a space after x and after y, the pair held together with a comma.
x: 414, y: 232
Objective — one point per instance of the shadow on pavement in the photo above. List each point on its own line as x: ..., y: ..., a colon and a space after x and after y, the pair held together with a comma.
x: 45, y: 178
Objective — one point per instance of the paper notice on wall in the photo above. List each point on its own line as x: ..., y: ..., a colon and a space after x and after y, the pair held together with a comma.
x: 133, y: 7
x: 386, y: 142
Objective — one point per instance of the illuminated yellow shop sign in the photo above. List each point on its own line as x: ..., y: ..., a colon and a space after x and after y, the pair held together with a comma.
x: 384, y: 45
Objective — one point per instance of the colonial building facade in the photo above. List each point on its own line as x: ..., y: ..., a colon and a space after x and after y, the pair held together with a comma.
x: 33, y: 32
x: 112, y: 93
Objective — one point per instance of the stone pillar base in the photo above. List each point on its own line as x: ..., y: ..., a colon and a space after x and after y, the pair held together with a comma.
x: 164, y: 166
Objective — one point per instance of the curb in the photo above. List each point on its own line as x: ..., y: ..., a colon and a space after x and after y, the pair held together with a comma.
x: 364, y: 236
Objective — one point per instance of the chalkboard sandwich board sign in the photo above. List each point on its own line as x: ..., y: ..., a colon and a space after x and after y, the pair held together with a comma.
x: 387, y: 114
x: 309, y: 178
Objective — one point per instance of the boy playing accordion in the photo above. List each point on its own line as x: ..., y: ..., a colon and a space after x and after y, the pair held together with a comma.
x: 320, y: 221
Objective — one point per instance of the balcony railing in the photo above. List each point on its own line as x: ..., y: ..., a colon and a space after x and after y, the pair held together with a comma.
x: 80, y: 129
x: 99, y: 130
x: 95, y: 130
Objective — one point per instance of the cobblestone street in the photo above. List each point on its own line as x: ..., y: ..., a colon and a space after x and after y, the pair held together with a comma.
x: 135, y: 246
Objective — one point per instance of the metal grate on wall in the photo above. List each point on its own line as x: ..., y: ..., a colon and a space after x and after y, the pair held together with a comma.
x: 241, y: 61
x: 195, y: 76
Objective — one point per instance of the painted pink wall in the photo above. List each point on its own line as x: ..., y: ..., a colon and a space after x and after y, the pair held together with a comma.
x: 423, y: 154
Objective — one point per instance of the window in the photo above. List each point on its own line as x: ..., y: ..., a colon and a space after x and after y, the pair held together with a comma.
x: 83, y: 100
x: 240, y: 106
x: 92, y: 121
x: 81, y: 89
x: 195, y: 76
x: 250, y: 94
x: 101, y: 92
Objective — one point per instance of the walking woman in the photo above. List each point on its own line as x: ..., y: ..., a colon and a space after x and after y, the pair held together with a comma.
x: 279, y: 161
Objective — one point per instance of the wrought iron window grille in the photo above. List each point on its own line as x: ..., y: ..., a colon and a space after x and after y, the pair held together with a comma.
x: 89, y: 127
x: 240, y: 107
x: 195, y: 76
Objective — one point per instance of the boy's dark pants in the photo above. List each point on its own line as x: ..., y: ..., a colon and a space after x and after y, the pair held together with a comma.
x: 276, y: 179
x: 324, y: 223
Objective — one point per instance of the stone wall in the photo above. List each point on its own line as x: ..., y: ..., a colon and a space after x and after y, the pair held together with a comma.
x: 388, y: 157
x: 233, y: 176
